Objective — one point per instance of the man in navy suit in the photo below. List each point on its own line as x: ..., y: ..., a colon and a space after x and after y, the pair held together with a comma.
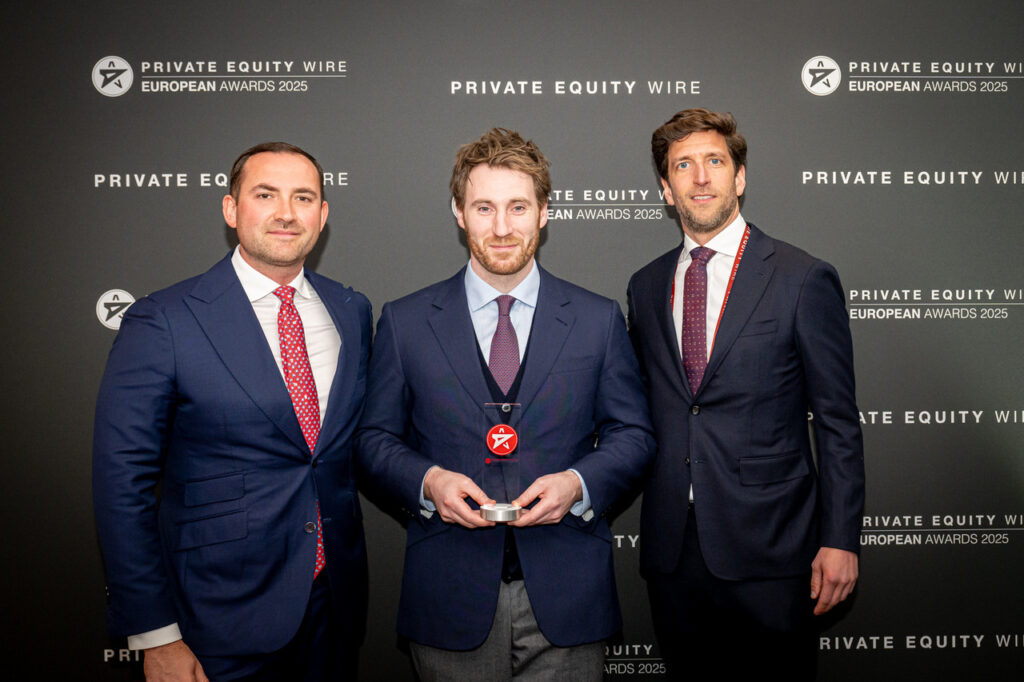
x: 237, y: 392
x: 741, y: 337
x: 505, y: 384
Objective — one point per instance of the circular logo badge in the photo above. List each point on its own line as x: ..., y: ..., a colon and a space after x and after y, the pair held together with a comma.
x: 111, y: 306
x: 821, y: 75
x: 502, y: 440
x: 112, y: 76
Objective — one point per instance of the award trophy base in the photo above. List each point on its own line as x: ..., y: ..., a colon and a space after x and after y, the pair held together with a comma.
x: 500, y: 512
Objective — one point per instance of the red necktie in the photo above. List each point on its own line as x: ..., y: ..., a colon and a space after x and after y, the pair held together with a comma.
x: 504, y: 358
x: 695, y: 318
x: 299, y: 378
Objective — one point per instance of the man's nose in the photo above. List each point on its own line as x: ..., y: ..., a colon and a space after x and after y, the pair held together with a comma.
x: 501, y: 224
x: 283, y: 210
x: 701, y: 176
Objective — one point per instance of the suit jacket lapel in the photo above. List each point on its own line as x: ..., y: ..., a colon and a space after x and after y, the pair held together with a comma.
x: 552, y: 321
x: 752, y: 279
x: 339, y: 402
x: 663, y: 281
x: 453, y: 327
x: 225, y: 315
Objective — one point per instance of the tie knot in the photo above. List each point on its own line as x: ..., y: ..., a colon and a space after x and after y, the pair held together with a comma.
x: 505, y: 304
x: 285, y: 293
x: 701, y: 255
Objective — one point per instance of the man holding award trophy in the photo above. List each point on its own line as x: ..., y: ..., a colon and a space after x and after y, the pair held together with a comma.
x: 505, y: 414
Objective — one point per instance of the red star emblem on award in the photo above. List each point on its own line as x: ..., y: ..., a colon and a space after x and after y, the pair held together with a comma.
x: 502, y: 440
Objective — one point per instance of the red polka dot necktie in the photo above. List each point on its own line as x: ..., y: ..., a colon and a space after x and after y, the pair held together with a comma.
x: 299, y: 378
x: 504, y: 358
x: 695, y: 318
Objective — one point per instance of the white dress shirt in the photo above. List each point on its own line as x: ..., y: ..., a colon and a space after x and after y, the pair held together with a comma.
x: 725, y: 244
x: 323, y: 343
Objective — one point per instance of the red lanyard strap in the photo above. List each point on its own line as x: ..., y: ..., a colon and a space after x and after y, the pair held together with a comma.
x: 728, y: 288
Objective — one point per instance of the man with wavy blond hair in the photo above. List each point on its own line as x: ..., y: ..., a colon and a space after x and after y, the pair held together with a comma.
x: 505, y: 385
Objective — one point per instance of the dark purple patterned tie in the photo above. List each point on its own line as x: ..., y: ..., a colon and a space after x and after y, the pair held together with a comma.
x: 299, y: 377
x: 695, y: 317
x: 504, y: 358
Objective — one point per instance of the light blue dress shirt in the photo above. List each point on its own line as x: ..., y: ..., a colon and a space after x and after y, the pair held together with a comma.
x: 483, y: 310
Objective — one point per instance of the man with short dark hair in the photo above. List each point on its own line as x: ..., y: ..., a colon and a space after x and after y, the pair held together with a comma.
x: 740, y: 337
x: 505, y: 385
x: 237, y: 392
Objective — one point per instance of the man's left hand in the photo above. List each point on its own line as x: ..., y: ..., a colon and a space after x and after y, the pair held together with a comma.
x: 833, y: 575
x: 556, y: 492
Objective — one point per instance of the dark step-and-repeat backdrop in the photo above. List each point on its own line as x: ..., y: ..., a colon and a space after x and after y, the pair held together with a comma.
x: 885, y: 137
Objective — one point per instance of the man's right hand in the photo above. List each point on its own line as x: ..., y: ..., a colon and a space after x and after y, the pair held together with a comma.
x: 171, y: 663
x: 448, y: 491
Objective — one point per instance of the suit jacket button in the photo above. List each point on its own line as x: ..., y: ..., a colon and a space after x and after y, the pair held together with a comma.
x: 695, y: 409
x: 310, y: 527
x: 687, y: 461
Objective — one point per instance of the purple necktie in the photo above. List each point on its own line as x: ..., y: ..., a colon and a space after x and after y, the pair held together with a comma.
x: 504, y: 358
x: 695, y: 317
x: 299, y: 377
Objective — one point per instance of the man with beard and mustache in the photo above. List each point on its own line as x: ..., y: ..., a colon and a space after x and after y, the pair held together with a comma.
x: 223, y: 473
x: 505, y: 384
x: 741, y: 337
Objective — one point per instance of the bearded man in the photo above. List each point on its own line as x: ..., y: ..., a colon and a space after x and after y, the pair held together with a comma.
x: 505, y: 385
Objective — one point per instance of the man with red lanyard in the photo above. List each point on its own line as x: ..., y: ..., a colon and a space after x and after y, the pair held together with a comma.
x: 741, y: 337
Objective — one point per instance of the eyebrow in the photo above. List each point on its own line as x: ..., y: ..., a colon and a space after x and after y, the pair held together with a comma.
x: 710, y: 154
x: 270, y: 188
x: 514, y: 200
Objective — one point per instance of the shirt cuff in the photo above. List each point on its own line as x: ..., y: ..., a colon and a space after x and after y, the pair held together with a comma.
x: 582, y: 508
x: 427, y: 508
x: 159, y: 637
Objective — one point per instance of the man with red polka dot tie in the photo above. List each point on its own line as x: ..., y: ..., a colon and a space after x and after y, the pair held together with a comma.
x: 238, y: 392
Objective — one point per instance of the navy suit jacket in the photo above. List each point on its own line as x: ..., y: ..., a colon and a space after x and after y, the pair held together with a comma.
x: 582, y: 406
x: 782, y: 350
x: 193, y: 400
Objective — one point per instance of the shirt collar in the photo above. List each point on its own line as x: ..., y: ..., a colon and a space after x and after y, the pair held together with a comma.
x: 726, y: 242
x: 257, y: 285
x: 479, y: 293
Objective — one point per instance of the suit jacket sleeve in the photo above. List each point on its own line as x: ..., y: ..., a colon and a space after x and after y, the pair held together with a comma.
x: 625, y: 444
x: 634, y: 335
x: 387, y: 463
x: 134, y: 413
x: 826, y: 351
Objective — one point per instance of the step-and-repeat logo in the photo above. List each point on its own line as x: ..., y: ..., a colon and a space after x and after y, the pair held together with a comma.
x: 821, y: 75
x: 112, y: 76
x: 111, y: 306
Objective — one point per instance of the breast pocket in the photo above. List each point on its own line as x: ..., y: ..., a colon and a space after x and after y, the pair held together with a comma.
x: 576, y: 364
x: 757, y: 327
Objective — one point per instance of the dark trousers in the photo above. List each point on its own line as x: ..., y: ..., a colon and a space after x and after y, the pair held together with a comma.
x: 316, y: 653
x: 710, y: 628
